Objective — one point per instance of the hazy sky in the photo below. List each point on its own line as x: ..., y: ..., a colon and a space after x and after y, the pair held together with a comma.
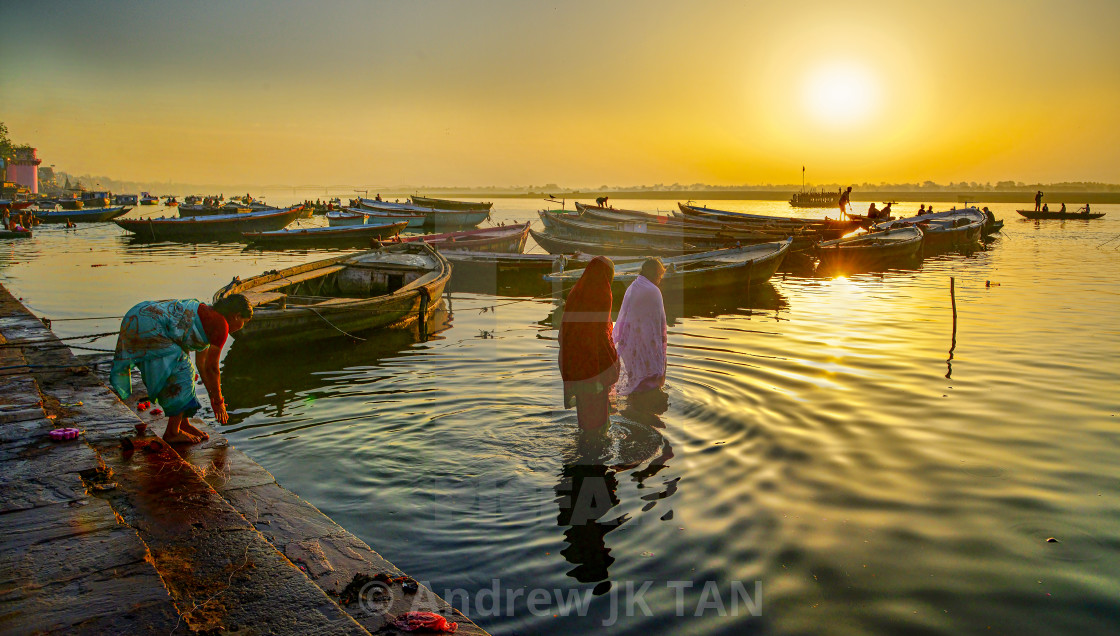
x: 571, y: 92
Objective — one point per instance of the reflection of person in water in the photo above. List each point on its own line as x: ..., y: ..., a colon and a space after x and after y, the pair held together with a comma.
x: 587, y: 491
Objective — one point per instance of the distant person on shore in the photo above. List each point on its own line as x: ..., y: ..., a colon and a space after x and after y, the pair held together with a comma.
x: 845, y: 201
x: 588, y: 360
x: 1038, y: 201
x: 157, y: 336
x: 641, y: 332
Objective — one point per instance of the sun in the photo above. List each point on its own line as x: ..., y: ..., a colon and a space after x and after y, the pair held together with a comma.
x: 841, y: 94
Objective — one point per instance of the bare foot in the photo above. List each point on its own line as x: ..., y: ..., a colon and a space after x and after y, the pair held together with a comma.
x: 189, y: 429
x: 180, y: 438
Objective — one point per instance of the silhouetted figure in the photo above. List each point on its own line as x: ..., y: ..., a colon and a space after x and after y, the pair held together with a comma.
x: 872, y: 211
x: 1045, y: 207
x: 921, y: 209
x: 1063, y: 210
x: 845, y: 201
x: 601, y: 201
x: 1038, y: 201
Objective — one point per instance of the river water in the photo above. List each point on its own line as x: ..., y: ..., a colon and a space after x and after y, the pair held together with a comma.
x: 832, y: 456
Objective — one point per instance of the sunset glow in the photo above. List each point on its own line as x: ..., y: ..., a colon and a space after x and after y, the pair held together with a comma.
x: 581, y: 94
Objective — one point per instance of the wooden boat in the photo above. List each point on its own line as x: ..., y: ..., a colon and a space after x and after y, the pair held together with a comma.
x: 829, y: 228
x: 222, y: 227
x: 202, y: 209
x: 1039, y: 215
x: 88, y: 215
x: 874, y: 248
x: 506, y: 239
x: 349, y: 217
x: 356, y: 236
x: 171, y: 202
x: 641, y: 232
x: 433, y: 217
x: 448, y: 204
x: 806, y: 233
x: 815, y: 199
x: 562, y: 245
x: 14, y: 234
x: 413, y: 220
x: 388, y: 287
x: 14, y: 206
x: 944, y: 230
x: 95, y: 199
x: 731, y: 269
x: 148, y: 199
x: 126, y: 199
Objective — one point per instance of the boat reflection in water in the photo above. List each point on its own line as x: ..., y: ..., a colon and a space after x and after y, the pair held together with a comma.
x: 263, y: 377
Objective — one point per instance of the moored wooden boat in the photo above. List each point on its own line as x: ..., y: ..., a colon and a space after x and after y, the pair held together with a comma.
x: 562, y: 245
x: 356, y: 236
x: 202, y: 209
x: 222, y: 227
x: 1051, y: 215
x: 731, y: 269
x: 506, y: 239
x: 434, y: 217
x: 828, y: 228
x: 414, y: 219
x: 148, y: 199
x: 949, y: 229
x: 86, y: 215
x: 641, y: 232
x: 388, y: 287
x: 871, y: 249
x: 449, y: 204
x: 14, y: 234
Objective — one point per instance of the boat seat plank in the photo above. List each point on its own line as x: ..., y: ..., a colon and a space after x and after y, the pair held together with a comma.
x: 257, y: 299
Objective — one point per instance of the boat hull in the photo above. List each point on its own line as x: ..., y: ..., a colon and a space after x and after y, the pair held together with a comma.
x: 86, y: 215
x: 561, y: 245
x: 874, y: 250
x: 359, y: 236
x: 204, y: 229
x: 1050, y: 216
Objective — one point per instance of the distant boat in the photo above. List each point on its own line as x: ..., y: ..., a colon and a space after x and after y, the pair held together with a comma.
x: 14, y: 234
x: 1038, y: 215
x: 338, y: 218
x: 449, y: 204
x: 357, y: 236
x: 171, y: 202
x: 89, y: 215
x: 731, y: 269
x: 393, y: 286
x: 148, y: 199
x: 433, y: 216
x: 874, y: 248
x: 815, y: 199
x: 126, y: 199
x: 202, y: 209
x: 222, y: 227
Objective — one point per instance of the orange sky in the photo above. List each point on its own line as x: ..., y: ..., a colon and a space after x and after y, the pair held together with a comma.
x: 578, y: 93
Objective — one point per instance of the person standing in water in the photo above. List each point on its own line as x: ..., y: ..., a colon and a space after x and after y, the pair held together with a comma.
x: 588, y: 360
x: 157, y: 336
x: 641, y: 332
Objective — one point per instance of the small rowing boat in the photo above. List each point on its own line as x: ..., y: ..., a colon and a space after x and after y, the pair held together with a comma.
x: 505, y: 239
x: 871, y: 249
x: 1039, y: 215
x: 388, y: 287
x: 356, y: 236
x: 85, y: 215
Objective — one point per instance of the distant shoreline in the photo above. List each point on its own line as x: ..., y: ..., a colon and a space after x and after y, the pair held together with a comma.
x: 773, y: 195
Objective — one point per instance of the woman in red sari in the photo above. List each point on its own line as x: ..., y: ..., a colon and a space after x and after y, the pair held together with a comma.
x: 588, y: 362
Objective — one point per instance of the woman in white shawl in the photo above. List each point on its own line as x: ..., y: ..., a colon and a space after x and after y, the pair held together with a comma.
x: 641, y: 333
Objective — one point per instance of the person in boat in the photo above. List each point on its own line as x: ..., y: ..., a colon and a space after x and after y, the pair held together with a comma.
x: 845, y: 201
x: 1062, y: 210
x: 1087, y: 209
x: 378, y: 197
x: 1045, y: 207
x: 872, y: 211
x: 886, y: 212
x: 921, y: 209
x: 641, y: 332
x: 1038, y: 201
x: 588, y: 360
x: 157, y: 336
x: 601, y: 201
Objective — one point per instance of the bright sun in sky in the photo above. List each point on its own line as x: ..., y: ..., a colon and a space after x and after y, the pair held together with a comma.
x: 841, y: 94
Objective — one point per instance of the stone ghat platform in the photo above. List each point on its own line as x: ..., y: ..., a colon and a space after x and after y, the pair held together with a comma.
x: 116, y: 532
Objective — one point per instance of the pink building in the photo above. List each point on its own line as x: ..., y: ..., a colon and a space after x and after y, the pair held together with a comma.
x: 24, y: 168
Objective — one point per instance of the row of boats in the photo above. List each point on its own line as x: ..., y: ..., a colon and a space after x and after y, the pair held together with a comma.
x: 705, y: 251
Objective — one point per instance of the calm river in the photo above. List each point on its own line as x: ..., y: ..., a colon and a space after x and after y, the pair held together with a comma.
x: 831, y: 459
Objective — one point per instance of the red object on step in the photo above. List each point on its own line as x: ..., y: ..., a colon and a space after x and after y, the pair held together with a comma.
x: 157, y: 412
x: 414, y: 621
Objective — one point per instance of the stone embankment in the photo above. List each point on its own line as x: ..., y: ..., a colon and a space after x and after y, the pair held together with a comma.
x: 117, y: 532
